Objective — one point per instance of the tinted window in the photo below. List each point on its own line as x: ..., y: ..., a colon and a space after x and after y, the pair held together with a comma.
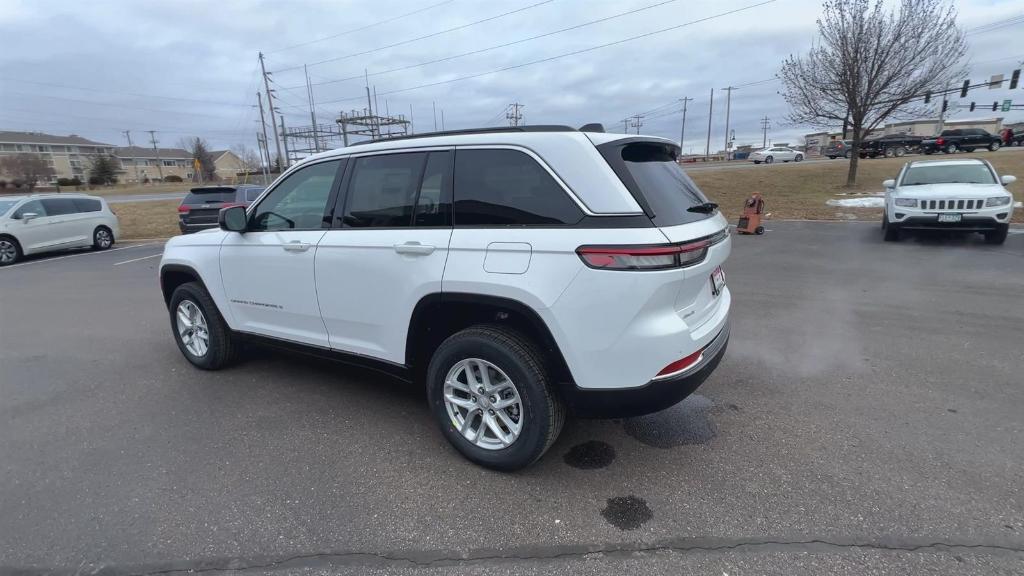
x: 34, y: 207
x: 508, y: 188
x: 59, y: 206
x: 297, y: 203
x: 209, y: 196
x: 668, y: 190
x: 950, y: 173
x: 87, y: 205
x: 382, y: 191
x: 251, y: 194
x: 434, y: 203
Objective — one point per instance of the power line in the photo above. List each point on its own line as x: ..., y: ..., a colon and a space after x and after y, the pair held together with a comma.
x: 497, y: 46
x: 418, y: 38
x: 114, y: 105
x: 1019, y: 19
x: 565, y: 54
x: 361, y: 28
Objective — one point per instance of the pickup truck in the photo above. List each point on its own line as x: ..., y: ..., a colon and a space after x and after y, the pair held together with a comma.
x: 966, y: 139
x: 890, y: 146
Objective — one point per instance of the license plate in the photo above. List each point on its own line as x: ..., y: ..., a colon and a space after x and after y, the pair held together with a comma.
x: 950, y: 217
x: 717, y: 281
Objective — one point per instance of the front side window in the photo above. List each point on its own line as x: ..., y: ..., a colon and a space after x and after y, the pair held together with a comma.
x: 59, y: 206
x: 508, y: 188
x: 382, y: 191
x: 948, y: 174
x: 32, y: 207
x: 297, y: 203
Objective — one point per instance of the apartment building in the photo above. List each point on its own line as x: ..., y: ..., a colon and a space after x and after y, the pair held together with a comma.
x: 69, y: 156
x: 140, y: 164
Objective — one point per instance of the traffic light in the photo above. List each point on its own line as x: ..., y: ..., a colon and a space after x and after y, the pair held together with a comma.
x: 945, y: 105
x: 1014, y: 79
x: 995, y: 106
x: 927, y: 97
x: 963, y: 90
x: 972, y: 106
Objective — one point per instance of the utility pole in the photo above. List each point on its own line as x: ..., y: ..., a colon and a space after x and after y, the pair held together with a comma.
x: 442, y: 119
x: 284, y: 136
x: 433, y: 105
x: 312, y: 114
x: 638, y: 121
x: 270, y: 105
x: 261, y: 143
x: 942, y: 109
x: 159, y: 163
x: 765, y: 124
x: 682, y: 131
x: 263, y: 124
x: 711, y: 108
x: 135, y: 161
x: 625, y: 125
x: 728, y: 102
x: 515, y: 115
x: 412, y: 127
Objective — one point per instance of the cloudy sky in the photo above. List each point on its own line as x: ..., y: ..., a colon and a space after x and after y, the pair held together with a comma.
x: 190, y: 68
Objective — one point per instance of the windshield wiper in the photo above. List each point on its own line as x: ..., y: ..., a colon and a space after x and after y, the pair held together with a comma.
x: 705, y: 208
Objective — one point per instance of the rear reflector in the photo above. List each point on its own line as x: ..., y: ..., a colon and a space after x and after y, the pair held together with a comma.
x: 681, y: 365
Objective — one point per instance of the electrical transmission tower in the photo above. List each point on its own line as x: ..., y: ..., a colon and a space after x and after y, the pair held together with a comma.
x: 514, y: 114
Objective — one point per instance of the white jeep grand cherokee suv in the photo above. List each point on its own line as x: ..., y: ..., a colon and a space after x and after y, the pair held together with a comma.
x: 955, y: 195
x: 519, y: 273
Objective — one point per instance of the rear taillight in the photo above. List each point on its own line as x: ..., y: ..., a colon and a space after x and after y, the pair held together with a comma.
x: 660, y: 257
x: 183, y: 208
x: 940, y: 141
x: 680, y: 365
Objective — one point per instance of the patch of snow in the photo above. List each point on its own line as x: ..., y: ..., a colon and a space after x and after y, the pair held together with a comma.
x: 863, y: 202
x: 1018, y: 204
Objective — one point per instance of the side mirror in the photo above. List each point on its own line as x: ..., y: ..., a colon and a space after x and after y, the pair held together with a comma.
x: 1007, y: 179
x: 27, y: 216
x: 232, y: 219
x: 889, y: 183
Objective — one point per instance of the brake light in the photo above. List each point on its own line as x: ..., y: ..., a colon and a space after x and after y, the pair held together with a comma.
x: 660, y: 257
x: 681, y: 365
x: 940, y: 141
x: 183, y: 208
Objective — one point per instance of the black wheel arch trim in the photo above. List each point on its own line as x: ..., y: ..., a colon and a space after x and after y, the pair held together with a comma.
x: 180, y: 269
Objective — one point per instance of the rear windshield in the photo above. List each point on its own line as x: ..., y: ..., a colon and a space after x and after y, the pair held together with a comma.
x: 209, y: 197
x: 949, y: 174
x: 657, y: 177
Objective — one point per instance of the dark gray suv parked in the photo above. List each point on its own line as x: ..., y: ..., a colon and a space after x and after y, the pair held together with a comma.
x: 199, y: 209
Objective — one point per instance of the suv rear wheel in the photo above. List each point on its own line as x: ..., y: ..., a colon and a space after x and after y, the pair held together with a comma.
x: 199, y: 330
x: 489, y: 390
x: 950, y: 148
x: 993, y: 146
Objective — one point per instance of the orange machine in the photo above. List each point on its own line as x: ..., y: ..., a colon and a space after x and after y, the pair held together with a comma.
x: 750, y: 221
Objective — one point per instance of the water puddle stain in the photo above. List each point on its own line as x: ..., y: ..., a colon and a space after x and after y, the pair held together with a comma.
x: 686, y: 423
x: 590, y: 455
x: 627, y: 512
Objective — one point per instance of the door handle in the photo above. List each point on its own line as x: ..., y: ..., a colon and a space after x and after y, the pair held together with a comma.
x: 414, y: 248
x: 296, y: 246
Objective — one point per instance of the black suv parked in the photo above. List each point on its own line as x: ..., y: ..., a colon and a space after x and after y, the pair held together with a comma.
x: 200, y: 208
x: 966, y: 139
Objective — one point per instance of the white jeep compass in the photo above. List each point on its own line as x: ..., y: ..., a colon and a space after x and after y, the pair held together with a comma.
x: 518, y: 273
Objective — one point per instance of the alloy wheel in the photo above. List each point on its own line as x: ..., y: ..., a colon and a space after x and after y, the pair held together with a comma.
x: 483, y: 404
x: 103, y: 239
x: 192, y: 328
x: 8, y: 252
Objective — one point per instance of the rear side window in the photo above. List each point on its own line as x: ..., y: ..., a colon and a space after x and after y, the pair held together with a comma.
x: 211, y: 197
x: 59, y: 206
x: 87, y: 205
x: 650, y: 171
x: 251, y: 194
x: 382, y: 192
x: 508, y: 188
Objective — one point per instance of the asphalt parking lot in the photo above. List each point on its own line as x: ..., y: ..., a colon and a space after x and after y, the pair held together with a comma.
x: 868, y: 419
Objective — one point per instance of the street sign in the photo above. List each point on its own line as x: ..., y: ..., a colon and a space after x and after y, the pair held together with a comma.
x: 995, y: 82
x: 1006, y: 105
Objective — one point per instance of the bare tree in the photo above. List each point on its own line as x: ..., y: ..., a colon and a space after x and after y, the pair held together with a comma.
x: 250, y: 159
x: 27, y: 168
x: 872, y: 63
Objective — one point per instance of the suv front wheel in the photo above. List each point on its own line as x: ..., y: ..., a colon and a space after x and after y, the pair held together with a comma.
x: 489, y: 388
x: 199, y: 330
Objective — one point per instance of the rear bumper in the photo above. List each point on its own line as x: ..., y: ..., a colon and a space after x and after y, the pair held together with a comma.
x: 654, y: 396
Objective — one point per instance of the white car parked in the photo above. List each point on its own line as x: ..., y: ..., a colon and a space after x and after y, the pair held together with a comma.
x: 517, y: 273
x: 46, y: 222
x: 960, y: 195
x: 776, y: 154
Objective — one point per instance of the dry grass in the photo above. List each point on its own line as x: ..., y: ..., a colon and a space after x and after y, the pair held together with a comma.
x: 118, y: 189
x: 147, y: 219
x: 799, y: 191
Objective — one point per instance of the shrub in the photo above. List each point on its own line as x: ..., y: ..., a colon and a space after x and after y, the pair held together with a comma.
x: 3, y: 184
x: 173, y: 178
x: 76, y: 181
x: 17, y: 183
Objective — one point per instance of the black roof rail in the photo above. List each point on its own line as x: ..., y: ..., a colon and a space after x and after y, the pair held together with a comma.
x: 493, y: 130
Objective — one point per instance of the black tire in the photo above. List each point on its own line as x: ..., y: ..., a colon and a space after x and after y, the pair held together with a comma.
x: 222, y: 346
x: 997, y: 236
x: 950, y: 148
x: 759, y: 230
x: 892, y: 231
x: 542, y: 412
x: 890, y: 152
x: 102, y: 238
x: 929, y: 152
x: 831, y: 157
x: 969, y: 149
x: 993, y: 146
x: 799, y: 158
x: 769, y: 160
x: 847, y: 155
x: 757, y: 161
x: 10, y: 250
x: 900, y: 151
